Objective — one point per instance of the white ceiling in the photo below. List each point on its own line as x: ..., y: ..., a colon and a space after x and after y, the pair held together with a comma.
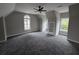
x: 6, y: 8
x: 28, y: 7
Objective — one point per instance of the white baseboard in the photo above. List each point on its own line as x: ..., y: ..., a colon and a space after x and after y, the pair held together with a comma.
x: 16, y: 34
x: 73, y: 41
x: 3, y: 41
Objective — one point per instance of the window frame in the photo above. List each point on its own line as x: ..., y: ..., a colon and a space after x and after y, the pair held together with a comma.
x: 27, y: 22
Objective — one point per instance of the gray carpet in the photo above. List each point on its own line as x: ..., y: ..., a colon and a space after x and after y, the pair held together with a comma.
x: 38, y: 43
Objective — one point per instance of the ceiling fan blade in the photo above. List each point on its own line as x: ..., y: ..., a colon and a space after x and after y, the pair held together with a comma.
x: 35, y: 8
x: 43, y: 10
x: 40, y: 7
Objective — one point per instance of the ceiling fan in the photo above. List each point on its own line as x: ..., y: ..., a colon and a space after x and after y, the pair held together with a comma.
x: 40, y: 9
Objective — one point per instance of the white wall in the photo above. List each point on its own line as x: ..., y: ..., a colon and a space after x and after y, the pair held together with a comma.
x: 73, y: 31
x: 44, y: 23
x: 5, y: 9
x: 15, y: 23
x: 52, y: 17
x: 53, y: 22
x: 2, y: 31
x: 57, y: 23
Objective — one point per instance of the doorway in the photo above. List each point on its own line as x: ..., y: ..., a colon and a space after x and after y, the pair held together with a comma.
x: 64, y: 26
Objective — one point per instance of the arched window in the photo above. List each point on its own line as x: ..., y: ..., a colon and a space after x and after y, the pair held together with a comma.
x: 26, y: 22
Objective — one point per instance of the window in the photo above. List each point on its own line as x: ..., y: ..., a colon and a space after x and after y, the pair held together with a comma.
x: 26, y: 22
